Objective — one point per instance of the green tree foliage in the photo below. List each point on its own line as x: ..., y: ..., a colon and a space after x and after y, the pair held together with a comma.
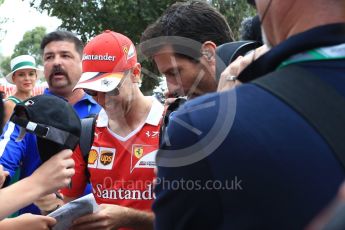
x: 90, y: 17
x: 5, y: 65
x: 30, y: 44
x: 234, y: 11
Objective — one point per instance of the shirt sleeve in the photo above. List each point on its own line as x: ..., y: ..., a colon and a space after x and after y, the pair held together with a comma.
x: 79, y: 180
x: 11, y: 150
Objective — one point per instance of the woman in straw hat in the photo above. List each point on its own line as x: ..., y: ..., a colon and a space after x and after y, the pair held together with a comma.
x: 24, y: 74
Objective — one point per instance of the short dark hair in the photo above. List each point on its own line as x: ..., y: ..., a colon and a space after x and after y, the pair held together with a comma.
x: 251, y: 29
x: 62, y: 35
x: 194, y: 20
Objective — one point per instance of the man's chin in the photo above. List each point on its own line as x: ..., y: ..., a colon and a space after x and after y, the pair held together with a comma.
x: 58, y: 84
x: 192, y: 96
x: 56, y: 87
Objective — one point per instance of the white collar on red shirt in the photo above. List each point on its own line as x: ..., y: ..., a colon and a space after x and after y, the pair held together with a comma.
x: 154, y: 117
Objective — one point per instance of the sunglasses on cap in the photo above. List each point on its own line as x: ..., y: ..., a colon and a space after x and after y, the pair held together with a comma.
x: 94, y: 93
x: 91, y: 92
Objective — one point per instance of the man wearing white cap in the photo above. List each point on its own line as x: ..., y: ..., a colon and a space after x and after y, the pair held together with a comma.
x: 122, y: 157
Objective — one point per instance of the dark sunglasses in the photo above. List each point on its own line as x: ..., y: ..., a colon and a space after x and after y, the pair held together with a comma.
x: 94, y: 93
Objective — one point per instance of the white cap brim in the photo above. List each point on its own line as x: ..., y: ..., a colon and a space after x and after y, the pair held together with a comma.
x: 100, y: 82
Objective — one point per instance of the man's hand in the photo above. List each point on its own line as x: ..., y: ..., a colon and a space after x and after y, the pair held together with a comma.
x: 113, y: 217
x: 55, y: 173
x: 28, y: 222
x: 108, y: 217
x: 3, y: 175
x: 169, y: 101
x: 228, y: 78
x: 49, y: 203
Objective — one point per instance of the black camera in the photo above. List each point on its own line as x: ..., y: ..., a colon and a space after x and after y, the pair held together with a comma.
x: 171, y: 108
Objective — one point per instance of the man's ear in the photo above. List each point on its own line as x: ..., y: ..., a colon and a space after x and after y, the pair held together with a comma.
x: 208, y: 51
x: 136, y: 73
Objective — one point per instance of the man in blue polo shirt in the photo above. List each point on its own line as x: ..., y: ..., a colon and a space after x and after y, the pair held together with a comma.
x: 62, y: 56
x: 244, y: 159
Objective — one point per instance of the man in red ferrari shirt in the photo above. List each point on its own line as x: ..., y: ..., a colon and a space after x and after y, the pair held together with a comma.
x: 122, y: 156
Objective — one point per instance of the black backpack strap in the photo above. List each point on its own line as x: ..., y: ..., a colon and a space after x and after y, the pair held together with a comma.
x: 86, y: 137
x: 318, y: 102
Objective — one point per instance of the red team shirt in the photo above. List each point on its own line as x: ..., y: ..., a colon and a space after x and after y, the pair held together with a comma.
x: 121, y: 168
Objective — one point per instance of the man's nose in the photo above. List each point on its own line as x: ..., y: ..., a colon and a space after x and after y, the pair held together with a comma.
x: 57, y: 60
x: 174, y: 90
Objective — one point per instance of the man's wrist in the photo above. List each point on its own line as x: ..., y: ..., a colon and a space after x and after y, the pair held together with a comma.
x: 138, y: 219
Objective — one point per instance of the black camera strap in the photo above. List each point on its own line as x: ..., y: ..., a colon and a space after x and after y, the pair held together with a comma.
x: 318, y: 102
x: 170, y: 109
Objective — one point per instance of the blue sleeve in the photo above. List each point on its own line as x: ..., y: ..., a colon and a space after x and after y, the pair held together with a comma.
x: 95, y: 108
x: 11, y: 151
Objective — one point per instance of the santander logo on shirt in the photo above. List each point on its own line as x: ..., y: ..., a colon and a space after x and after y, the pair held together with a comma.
x: 124, y: 194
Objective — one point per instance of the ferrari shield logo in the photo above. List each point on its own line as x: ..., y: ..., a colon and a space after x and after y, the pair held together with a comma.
x: 125, y: 49
x: 143, y: 156
x: 138, y: 151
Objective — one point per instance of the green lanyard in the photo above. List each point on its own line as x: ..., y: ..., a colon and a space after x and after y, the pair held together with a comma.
x: 324, y: 53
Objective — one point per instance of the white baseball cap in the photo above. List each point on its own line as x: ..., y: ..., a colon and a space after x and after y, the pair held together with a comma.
x: 106, y: 59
